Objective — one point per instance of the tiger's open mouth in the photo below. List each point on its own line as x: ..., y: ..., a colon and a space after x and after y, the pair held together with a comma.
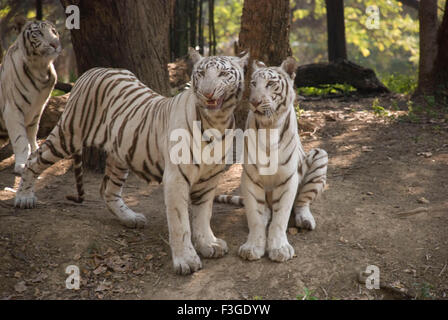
x: 214, y: 104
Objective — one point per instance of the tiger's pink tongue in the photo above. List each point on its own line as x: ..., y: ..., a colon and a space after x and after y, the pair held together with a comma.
x: 215, y: 104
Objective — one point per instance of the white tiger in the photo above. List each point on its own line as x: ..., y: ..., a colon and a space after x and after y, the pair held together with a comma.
x: 299, y: 179
x: 113, y: 110
x: 27, y: 77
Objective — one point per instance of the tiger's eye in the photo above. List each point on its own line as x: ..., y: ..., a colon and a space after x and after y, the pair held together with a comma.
x: 222, y: 74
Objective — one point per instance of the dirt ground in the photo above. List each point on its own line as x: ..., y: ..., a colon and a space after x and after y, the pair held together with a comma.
x: 380, y: 172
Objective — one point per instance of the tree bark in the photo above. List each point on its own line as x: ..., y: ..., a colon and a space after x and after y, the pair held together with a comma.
x: 39, y: 10
x: 131, y: 34
x: 336, y: 30
x: 427, y: 15
x: 179, y: 29
x: 441, y: 63
x: 265, y: 26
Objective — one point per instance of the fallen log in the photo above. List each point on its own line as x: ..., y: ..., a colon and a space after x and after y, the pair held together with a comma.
x: 66, y: 87
x: 51, y: 115
x: 340, y: 72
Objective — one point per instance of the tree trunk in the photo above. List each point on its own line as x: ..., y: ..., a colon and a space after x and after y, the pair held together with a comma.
x: 336, y: 30
x: 265, y: 26
x: 441, y: 63
x: 132, y: 34
x: 427, y: 15
x: 39, y: 11
x: 211, y: 27
x: 179, y: 29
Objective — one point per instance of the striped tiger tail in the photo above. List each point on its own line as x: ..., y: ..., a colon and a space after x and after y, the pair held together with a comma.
x: 228, y: 199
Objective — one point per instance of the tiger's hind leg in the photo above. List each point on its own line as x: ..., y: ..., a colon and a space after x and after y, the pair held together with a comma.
x: 314, y: 175
x: 77, y: 166
x: 111, y: 189
x: 49, y: 153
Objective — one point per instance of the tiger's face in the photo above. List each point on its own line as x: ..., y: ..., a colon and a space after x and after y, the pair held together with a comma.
x: 215, y: 79
x: 40, y: 38
x: 272, y: 90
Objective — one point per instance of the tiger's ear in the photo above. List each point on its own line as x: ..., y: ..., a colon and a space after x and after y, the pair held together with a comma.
x: 244, y: 60
x: 19, y: 23
x: 256, y: 64
x: 194, y: 55
x: 290, y: 66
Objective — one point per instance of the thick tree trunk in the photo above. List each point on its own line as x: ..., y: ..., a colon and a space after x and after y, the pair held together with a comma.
x: 265, y: 26
x: 428, y: 46
x: 179, y: 29
x: 336, y: 30
x: 132, y: 34
x: 441, y: 63
x: 39, y: 10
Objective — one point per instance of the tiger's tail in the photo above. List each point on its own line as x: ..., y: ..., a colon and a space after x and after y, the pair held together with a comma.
x: 227, y: 199
x: 77, y: 165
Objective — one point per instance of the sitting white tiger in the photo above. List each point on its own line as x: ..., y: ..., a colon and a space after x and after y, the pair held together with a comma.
x: 113, y: 110
x: 299, y: 179
x: 27, y: 77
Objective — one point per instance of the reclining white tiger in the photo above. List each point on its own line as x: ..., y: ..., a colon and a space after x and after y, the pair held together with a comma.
x: 299, y: 179
x: 27, y: 77
x: 112, y: 109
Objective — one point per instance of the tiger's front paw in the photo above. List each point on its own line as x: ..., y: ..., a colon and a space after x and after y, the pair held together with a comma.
x: 25, y: 200
x: 281, y: 254
x: 187, y: 263
x: 214, y: 249
x: 251, y: 252
x: 134, y: 220
x: 304, y: 218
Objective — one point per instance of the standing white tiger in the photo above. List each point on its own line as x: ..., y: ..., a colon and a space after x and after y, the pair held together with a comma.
x: 27, y: 77
x: 111, y: 109
x: 299, y: 179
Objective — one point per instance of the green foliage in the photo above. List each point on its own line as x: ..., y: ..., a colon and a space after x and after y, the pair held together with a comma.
x: 424, y: 291
x: 394, y: 47
x: 400, y: 83
x: 227, y: 23
x: 378, y: 110
x: 326, y: 90
x: 428, y: 108
x: 308, y: 295
x: 299, y: 111
x: 56, y: 93
x: 4, y: 11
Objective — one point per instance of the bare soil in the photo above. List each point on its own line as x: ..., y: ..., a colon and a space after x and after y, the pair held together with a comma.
x: 379, y: 171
